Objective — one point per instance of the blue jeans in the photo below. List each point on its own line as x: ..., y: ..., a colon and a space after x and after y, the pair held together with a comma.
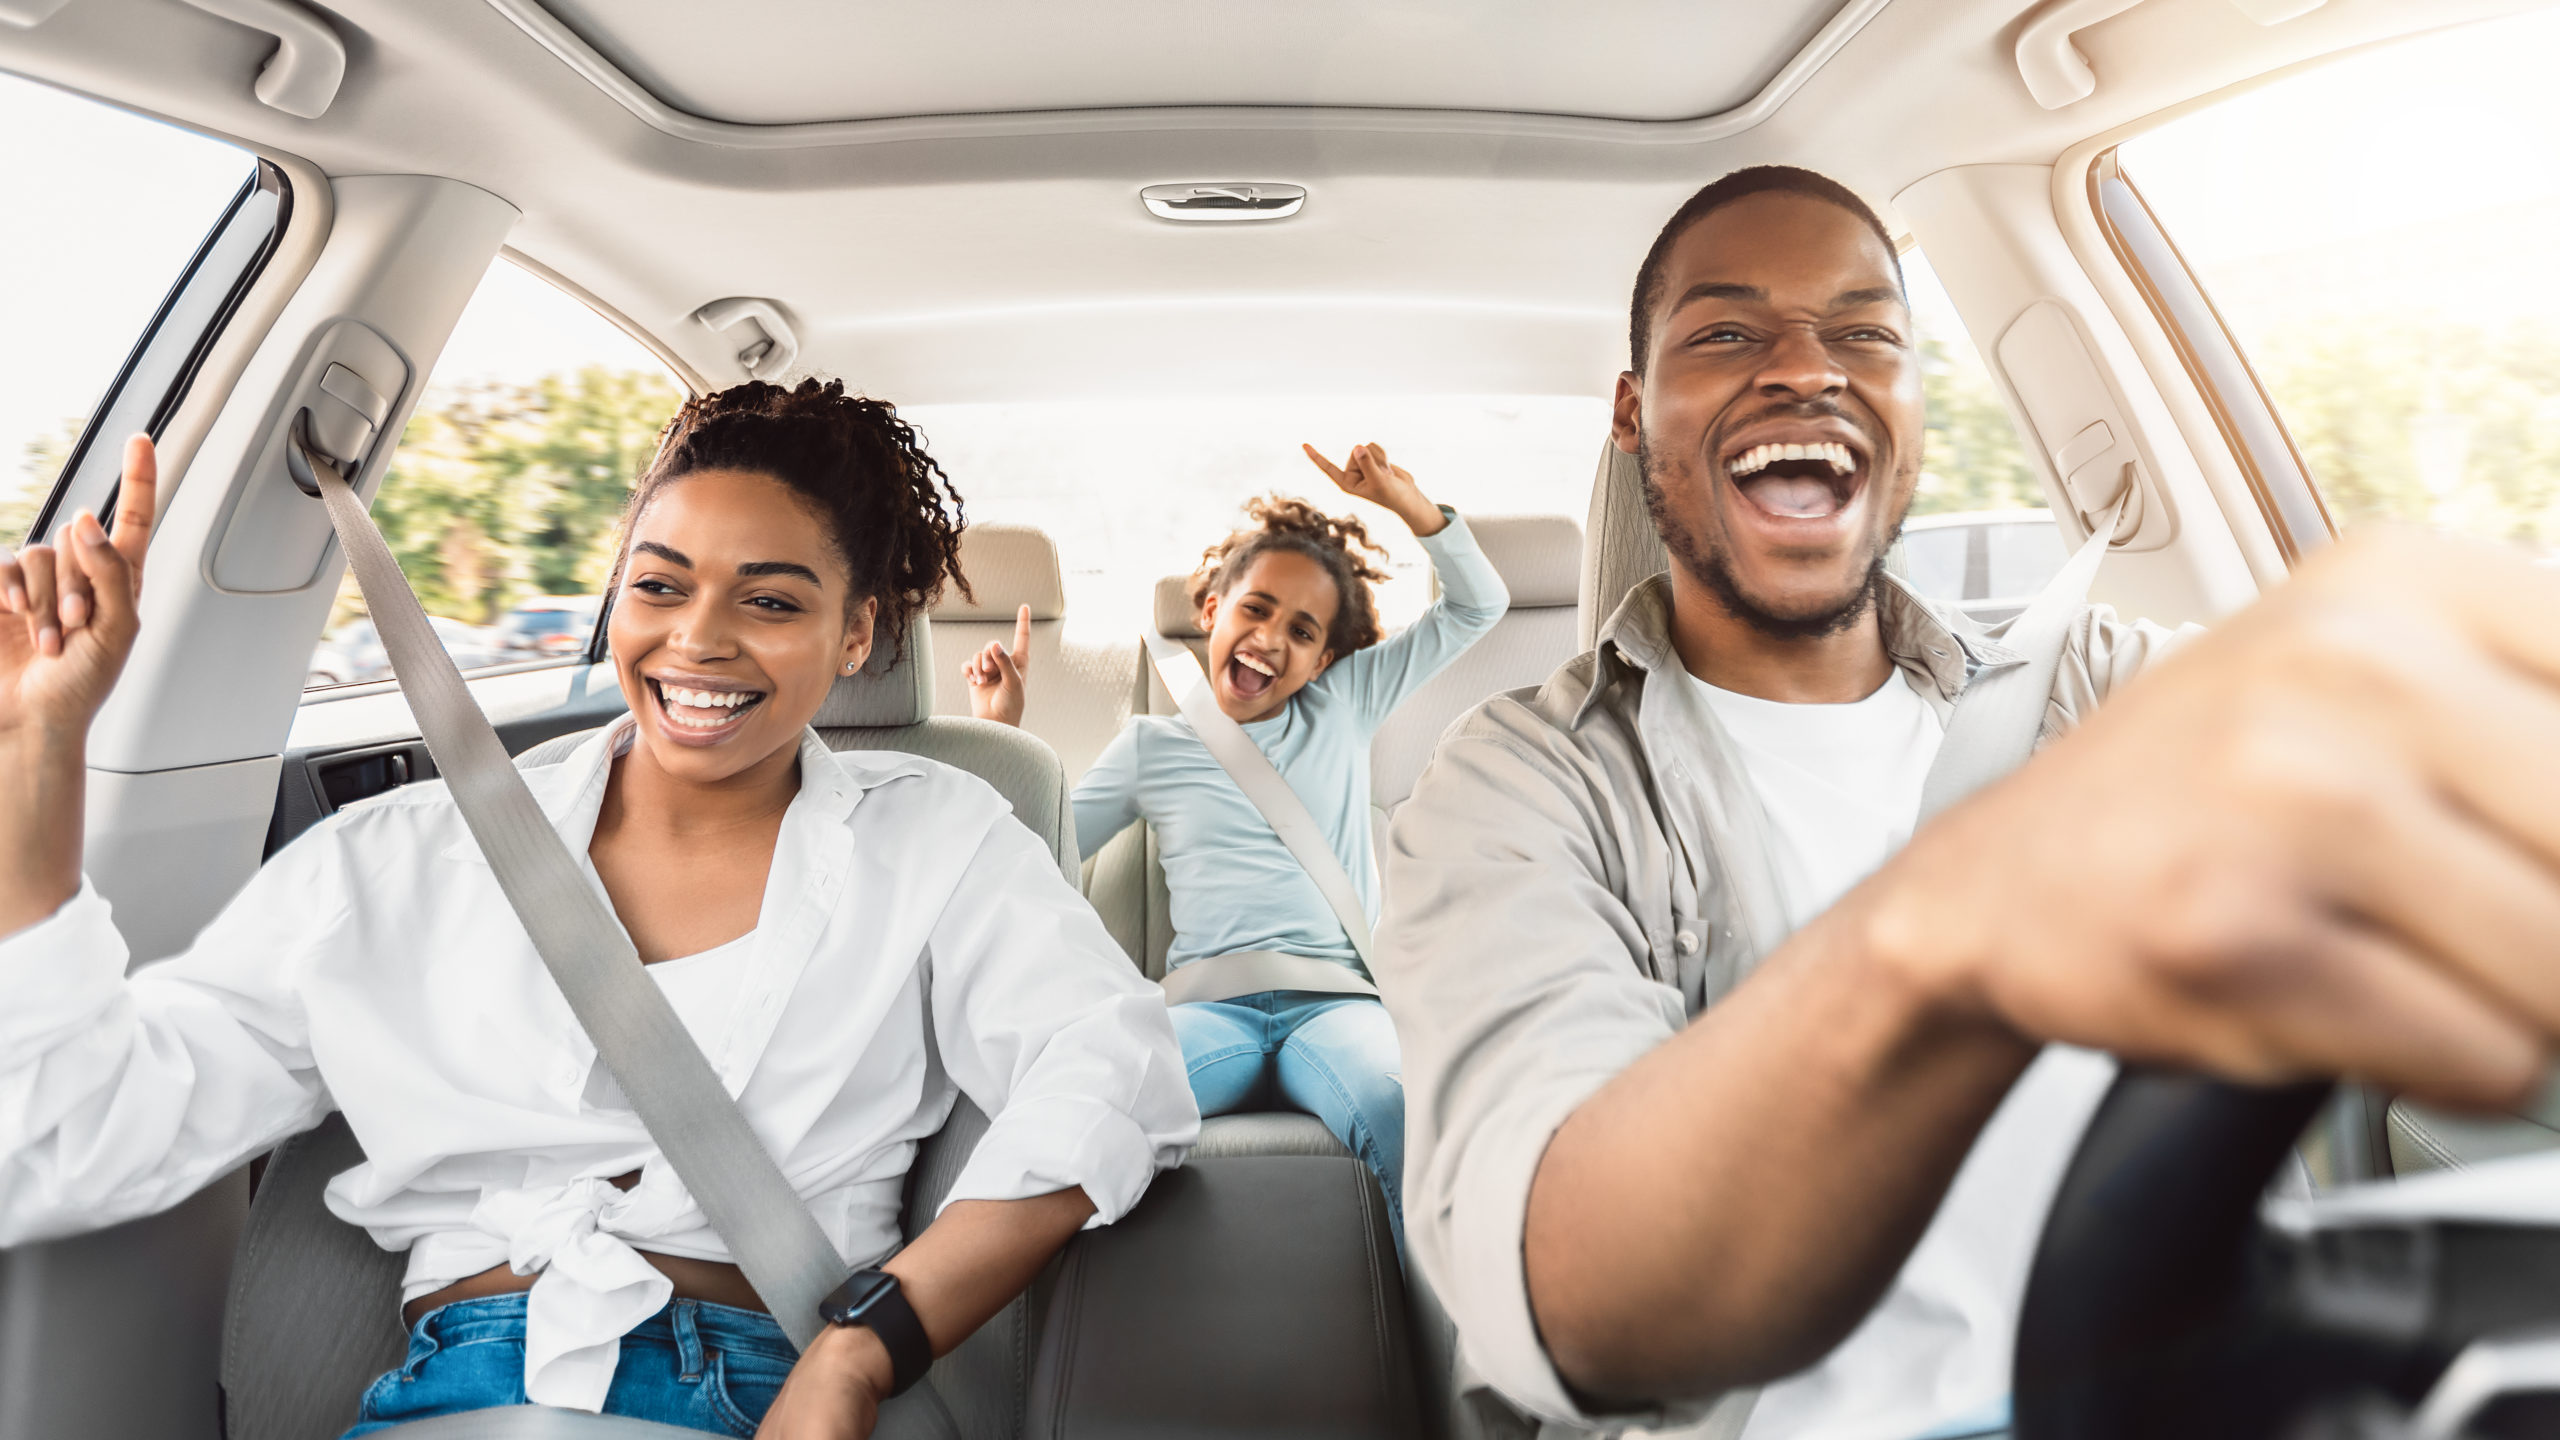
x: 1332, y: 1056
x: 694, y: 1364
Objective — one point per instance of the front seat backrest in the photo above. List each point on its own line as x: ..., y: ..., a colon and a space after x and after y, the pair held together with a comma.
x: 1619, y: 544
x: 313, y: 1314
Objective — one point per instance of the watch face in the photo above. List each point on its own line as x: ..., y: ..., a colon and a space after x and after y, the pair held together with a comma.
x: 865, y: 1286
x: 856, y: 1294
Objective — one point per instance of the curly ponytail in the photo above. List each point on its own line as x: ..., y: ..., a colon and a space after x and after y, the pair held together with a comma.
x: 891, y: 513
x: 1280, y: 523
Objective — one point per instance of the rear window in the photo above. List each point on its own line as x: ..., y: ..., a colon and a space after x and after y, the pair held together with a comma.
x: 1133, y: 490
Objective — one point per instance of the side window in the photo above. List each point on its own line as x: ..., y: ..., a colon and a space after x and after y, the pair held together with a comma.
x: 2374, y: 235
x: 90, y: 273
x: 1978, y: 535
x: 502, y: 499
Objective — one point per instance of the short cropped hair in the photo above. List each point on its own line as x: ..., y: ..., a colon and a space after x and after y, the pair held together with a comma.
x: 1741, y: 184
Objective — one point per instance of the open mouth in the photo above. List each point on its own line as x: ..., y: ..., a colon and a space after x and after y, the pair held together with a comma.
x: 1249, y: 678
x: 1809, y: 481
x: 704, y: 711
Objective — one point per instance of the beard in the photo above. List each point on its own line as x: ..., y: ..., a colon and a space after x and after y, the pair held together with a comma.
x: 1709, y: 565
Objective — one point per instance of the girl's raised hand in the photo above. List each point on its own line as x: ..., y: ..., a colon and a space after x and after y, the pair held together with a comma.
x: 1367, y: 474
x: 68, y: 610
x: 996, y: 675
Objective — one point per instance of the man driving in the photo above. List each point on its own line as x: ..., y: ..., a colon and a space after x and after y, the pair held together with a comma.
x: 1715, y: 1083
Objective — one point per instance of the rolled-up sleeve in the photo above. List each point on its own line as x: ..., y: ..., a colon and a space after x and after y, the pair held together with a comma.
x: 121, y: 1096
x: 1041, y: 1020
x: 1514, y: 974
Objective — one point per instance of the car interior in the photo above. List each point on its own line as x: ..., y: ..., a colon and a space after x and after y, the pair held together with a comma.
x: 1085, y: 243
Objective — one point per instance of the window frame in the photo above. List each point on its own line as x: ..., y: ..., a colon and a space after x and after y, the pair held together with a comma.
x: 207, y: 292
x: 597, y: 650
x: 2252, y: 429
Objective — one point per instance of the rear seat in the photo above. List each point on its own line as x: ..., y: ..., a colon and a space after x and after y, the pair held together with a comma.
x: 1080, y: 691
x: 1540, y: 560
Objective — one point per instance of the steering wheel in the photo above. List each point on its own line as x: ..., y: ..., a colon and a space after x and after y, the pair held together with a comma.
x: 2159, y: 1305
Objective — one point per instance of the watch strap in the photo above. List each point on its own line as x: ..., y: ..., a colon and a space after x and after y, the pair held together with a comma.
x: 874, y: 1299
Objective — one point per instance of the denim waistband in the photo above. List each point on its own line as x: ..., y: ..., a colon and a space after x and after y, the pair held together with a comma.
x: 724, y: 1327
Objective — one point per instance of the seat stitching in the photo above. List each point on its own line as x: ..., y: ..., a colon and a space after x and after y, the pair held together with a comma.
x: 1377, y: 1285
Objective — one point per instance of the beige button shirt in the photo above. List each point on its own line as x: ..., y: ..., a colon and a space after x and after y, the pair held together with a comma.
x: 1579, y: 872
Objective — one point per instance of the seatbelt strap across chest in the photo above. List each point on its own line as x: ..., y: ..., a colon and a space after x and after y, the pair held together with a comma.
x: 1262, y: 784
x: 2001, y: 712
x: 670, y: 1083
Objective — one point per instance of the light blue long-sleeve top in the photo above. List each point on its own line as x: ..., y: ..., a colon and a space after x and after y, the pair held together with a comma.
x: 1235, y: 885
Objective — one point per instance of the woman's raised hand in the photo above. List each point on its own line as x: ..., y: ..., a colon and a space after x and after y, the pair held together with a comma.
x: 996, y: 674
x: 1367, y: 474
x: 66, y: 623
x: 67, y: 610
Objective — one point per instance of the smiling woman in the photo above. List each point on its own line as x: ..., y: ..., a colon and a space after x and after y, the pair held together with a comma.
x: 778, y: 538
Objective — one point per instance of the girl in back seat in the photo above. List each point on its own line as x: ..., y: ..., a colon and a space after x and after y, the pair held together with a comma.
x: 1294, y: 658
x: 854, y: 939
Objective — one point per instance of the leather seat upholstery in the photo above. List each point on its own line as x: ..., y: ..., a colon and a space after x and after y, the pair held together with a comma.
x: 1176, y: 1321
x: 1619, y: 544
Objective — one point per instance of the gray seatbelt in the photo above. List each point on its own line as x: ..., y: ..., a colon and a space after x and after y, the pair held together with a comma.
x: 1262, y: 784
x: 671, y: 1086
x: 2001, y: 712
x: 1258, y: 972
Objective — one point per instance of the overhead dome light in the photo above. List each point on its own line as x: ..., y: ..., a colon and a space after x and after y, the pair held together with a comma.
x: 1229, y: 200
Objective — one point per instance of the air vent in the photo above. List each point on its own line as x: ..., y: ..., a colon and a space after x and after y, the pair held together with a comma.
x: 1231, y: 200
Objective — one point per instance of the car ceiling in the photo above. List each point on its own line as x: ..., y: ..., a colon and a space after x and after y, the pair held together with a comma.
x: 944, y: 198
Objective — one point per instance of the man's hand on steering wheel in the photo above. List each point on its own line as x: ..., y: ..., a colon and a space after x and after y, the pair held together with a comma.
x: 2322, y: 840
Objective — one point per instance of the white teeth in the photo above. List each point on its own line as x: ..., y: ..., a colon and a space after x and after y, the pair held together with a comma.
x: 1257, y: 666
x: 706, y: 699
x: 1761, y: 457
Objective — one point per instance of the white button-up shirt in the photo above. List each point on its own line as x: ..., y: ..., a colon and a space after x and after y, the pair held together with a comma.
x: 915, y: 943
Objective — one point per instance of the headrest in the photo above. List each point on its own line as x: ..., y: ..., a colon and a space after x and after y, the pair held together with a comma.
x: 1176, y: 617
x: 1620, y: 547
x: 885, y: 693
x: 1009, y: 566
x: 1539, y: 557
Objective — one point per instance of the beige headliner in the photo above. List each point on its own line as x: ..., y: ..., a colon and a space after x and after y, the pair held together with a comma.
x: 991, y: 256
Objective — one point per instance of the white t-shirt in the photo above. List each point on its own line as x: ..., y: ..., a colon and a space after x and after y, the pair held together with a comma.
x: 1840, y: 783
x: 1841, y: 787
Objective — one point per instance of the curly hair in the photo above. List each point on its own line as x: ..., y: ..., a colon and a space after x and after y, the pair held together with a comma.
x: 1282, y: 524
x: 891, y: 513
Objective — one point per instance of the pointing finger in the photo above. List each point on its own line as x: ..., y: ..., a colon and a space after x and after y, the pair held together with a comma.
x: 137, y: 503
x: 1332, y: 471
x: 1022, y: 639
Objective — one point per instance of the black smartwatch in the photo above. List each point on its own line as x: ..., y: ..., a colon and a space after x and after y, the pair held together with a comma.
x: 872, y: 1298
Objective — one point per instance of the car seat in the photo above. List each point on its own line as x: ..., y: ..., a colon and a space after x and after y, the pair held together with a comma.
x: 1620, y: 547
